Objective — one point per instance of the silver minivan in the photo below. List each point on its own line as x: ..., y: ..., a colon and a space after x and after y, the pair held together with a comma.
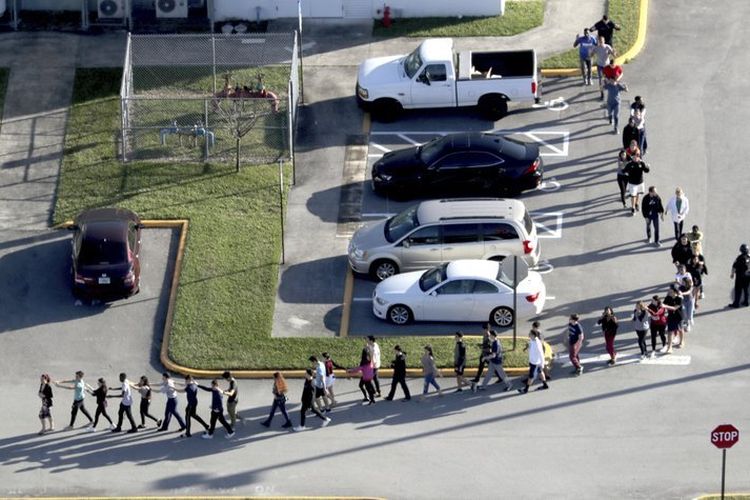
x: 437, y: 231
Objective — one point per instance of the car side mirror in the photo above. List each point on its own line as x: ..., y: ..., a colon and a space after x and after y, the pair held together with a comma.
x: 423, y: 79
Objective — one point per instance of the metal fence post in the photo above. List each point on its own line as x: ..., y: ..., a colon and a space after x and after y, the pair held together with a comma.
x: 290, y: 128
x: 213, y: 62
x: 281, y: 208
x: 205, y: 128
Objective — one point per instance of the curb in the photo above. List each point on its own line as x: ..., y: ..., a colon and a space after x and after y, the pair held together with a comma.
x: 630, y: 54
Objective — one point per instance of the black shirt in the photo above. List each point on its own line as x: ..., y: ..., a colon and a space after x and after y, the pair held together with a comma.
x: 232, y: 387
x: 609, y: 324
x: 307, y: 392
x: 399, y: 365
x: 46, y: 391
x: 634, y: 170
x: 675, y: 302
x: 101, y: 395
x: 741, y: 265
x: 651, y: 206
x: 605, y: 29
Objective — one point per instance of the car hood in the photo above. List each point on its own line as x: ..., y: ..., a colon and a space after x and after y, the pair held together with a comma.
x: 405, y: 283
x: 379, y: 71
x: 370, y: 236
x: 399, y: 162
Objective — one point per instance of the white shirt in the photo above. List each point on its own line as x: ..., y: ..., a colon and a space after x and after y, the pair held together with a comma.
x: 536, y: 352
x: 375, y: 355
x: 127, y: 396
x: 671, y: 208
x: 168, y: 388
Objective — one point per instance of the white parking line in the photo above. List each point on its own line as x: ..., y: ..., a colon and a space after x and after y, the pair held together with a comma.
x: 409, y: 139
x: 362, y: 299
x: 378, y: 146
x: 629, y: 359
x: 377, y: 215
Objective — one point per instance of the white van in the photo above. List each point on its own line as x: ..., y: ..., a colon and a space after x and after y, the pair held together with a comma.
x: 438, y: 231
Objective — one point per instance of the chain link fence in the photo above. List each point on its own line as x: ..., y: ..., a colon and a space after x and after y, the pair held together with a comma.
x: 210, y: 97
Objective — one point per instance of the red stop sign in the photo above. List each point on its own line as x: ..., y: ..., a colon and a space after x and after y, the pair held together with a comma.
x: 725, y: 436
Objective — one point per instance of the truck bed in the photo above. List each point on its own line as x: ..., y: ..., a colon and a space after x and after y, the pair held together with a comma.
x: 483, y: 65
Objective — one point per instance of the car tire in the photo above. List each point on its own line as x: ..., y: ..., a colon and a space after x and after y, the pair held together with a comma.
x: 502, y: 316
x: 382, y: 269
x: 400, y: 315
x: 493, y: 107
x: 386, y: 110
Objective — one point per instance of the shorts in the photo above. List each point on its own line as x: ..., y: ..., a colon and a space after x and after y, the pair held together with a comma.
x: 319, y: 392
x: 459, y: 369
x: 534, y: 371
x: 330, y: 379
x: 44, y: 412
x: 636, y: 189
x: 673, y: 324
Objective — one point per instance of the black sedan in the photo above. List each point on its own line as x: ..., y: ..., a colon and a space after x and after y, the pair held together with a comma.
x: 463, y: 163
x: 106, y: 249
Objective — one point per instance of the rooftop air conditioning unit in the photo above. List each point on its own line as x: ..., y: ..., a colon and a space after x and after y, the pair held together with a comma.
x: 111, y: 9
x: 172, y: 8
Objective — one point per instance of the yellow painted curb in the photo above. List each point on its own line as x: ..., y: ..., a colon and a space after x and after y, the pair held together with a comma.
x: 630, y: 54
x: 709, y: 496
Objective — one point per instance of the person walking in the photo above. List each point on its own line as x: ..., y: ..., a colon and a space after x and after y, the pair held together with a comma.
x: 652, y: 210
x: 485, y: 350
x: 279, y: 391
x: 45, y: 394
x: 430, y: 371
x: 673, y: 304
x: 319, y: 382
x: 575, y: 341
x: 232, y: 393
x: 537, y: 327
x: 685, y: 289
x: 614, y: 89
x: 78, y: 386
x: 678, y: 207
x: 639, y: 119
x: 330, y: 364
x: 622, y: 177
x: 741, y: 276
x: 641, y: 323
x: 144, y: 389
x: 657, y: 323
x: 602, y: 51
x: 459, y: 361
x: 375, y: 354
x: 494, y: 365
x: 630, y: 133
x: 365, y: 381
x: 399, y: 375
x: 126, y: 403
x: 605, y: 27
x: 608, y: 322
x: 217, y: 411
x: 101, y: 405
x: 697, y: 269
x: 682, y: 252
x: 170, y: 410
x: 695, y: 237
x: 585, y: 44
x: 191, y: 410
x: 536, y: 363
x: 635, y: 170
x: 307, y: 404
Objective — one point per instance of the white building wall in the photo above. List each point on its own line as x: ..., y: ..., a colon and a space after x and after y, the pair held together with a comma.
x: 439, y: 8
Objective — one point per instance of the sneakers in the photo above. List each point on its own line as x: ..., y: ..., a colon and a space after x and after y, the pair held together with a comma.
x: 206, y: 435
x: 611, y: 362
x: 473, y: 387
x: 141, y: 426
x: 542, y: 388
x: 158, y: 423
x: 508, y: 387
x: 185, y: 435
x: 299, y: 428
x: 265, y: 423
x: 133, y: 430
x: 90, y: 428
x: 229, y: 435
x: 523, y: 391
x: 68, y: 428
x: 458, y: 389
x: 111, y: 426
x: 388, y: 398
x: 652, y: 355
x: 326, y: 422
x: 117, y: 429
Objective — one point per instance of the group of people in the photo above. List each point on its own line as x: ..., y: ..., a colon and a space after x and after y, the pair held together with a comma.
x: 124, y: 393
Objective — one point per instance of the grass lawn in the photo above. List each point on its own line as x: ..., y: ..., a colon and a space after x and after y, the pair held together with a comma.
x: 519, y: 17
x: 623, y: 12
x: 4, y: 73
x: 225, y: 300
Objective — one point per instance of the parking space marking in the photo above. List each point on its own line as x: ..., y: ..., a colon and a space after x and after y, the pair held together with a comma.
x: 547, y: 229
x: 547, y: 139
x: 378, y: 215
x: 362, y: 299
x: 628, y: 359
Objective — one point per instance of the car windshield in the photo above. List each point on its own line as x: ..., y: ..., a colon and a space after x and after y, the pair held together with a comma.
x: 412, y: 63
x: 527, y: 222
x: 399, y: 225
x: 98, y: 249
x: 433, y: 277
x: 430, y: 151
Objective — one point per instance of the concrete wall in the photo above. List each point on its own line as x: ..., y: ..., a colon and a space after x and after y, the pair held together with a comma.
x: 439, y: 8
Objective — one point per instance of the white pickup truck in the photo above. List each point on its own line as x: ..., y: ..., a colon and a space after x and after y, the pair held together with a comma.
x: 434, y: 76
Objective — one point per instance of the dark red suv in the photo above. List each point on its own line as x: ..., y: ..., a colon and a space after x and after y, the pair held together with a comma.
x: 106, y: 250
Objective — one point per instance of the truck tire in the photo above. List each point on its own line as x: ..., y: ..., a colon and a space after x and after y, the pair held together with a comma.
x: 493, y: 107
x: 386, y: 110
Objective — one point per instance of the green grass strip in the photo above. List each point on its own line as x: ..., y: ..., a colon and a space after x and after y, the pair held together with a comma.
x: 519, y: 17
x: 225, y: 301
x: 623, y: 12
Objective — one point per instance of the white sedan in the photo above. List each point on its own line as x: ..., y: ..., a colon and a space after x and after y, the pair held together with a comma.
x: 462, y: 290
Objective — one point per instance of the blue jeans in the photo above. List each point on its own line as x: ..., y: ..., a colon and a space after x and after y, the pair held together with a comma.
x: 279, y: 404
x: 613, y: 112
x: 170, y: 410
x: 585, y: 69
x: 430, y: 380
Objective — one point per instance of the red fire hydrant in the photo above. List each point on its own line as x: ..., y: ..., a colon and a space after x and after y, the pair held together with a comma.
x: 387, y: 17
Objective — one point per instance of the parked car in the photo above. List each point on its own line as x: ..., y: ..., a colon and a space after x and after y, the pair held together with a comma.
x: 437, y: 231
x: 434, y: 76
x: 106, y: 253
x: 462, y: 290
x: 466, y: 162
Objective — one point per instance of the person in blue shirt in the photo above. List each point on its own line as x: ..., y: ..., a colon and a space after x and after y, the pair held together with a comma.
x: 613, y: 90
x: 191, y: 410
x: 217, y: 410
x: 585, y: 44
x: 575, y: 340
